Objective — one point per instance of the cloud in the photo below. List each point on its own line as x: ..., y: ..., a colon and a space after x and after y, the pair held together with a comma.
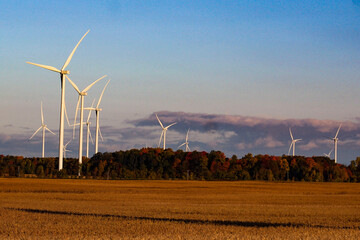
x: 310, y: 145
x: 268, y: 142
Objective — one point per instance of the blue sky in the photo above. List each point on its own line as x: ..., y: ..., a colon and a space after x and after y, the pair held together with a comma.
x: 266, y: 59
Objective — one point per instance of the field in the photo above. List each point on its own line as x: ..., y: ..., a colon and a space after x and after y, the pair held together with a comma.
x: 92, y: 209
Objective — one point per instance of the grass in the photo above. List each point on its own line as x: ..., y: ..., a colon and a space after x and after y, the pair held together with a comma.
x: 93, y: 209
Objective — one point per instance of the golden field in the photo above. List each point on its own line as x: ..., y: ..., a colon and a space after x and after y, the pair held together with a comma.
x: 100, y: 209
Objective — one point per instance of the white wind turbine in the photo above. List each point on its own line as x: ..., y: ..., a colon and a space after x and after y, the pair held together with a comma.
x: 97, y: 113
x: 328, y: 154
x: 186, y: 143
x: 164, y: 129
x: 293, y: 141
x: 65, y: 148
x: 43, y: 127
x: 63, y: 73
x: 81, y: 100
x: 336, y: 139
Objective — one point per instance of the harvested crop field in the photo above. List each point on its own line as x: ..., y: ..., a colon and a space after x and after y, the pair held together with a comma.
x: 93, y: 209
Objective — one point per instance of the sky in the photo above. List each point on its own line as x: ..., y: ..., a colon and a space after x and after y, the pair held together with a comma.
x: 237, y: 73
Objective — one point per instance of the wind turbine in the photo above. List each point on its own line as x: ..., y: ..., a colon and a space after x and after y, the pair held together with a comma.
x: 164, y: 129
x: 65, y: 148
x: 97, y: 113
x: 336, y: 139
x: 63, y: 73
x: 43, y: 127
x: 328, y: 155
x: 293, y: 141
x: 81, y: 100
x: 186, y: 143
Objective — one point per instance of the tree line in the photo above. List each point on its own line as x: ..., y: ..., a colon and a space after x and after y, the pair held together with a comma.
x: 156, y: 163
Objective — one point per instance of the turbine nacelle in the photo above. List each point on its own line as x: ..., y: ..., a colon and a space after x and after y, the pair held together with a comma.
x: 65, y: 72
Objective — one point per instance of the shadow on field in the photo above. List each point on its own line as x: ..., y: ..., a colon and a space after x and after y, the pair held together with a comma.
x: 197, y: 221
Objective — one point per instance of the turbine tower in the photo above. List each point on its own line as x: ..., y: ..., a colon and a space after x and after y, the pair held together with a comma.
x: 63, y: 73
x: 81, y: 100
x: 164, y: 129
x: 43, y: 127
x: 97, y: 113
x: 336, y: 139
x: 293, y: 141
x: 186, y: 143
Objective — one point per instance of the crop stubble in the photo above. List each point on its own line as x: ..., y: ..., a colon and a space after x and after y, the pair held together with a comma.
x: 92, y: 209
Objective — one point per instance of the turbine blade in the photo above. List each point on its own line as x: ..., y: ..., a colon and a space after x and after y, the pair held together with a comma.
x: 88, y: 87
x: 92, y: 141
x: 160, y: 138
x: 187, y: 135
x: 102, y: 139
x: 291, y: 134
x: 337, y: 131
x: 46, y: 67
x: 77, y: 107
x: 88, y: 118
x: 73, y: 51
x: 67, y: 144
x: 159, y: 121
x: 35, y: 132
x: 181, y: 145
x: 66, y: 115
x: 170, y: 125
x: 50, y: 131
x: 102, y: 93
x: 42, y: 115
x: 73, y: 84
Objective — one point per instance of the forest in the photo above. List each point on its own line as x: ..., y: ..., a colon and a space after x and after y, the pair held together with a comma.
x: 156, y: 163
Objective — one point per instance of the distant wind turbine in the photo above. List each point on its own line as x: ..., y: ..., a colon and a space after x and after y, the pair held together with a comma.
x: 186, y: 143
x: 293, y: 141
x: 43, y: 127
x: 336, y: 139
x: 81, y: 100
x: 97, y: 113
x: 164, y: 129
x: 63, y: 73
